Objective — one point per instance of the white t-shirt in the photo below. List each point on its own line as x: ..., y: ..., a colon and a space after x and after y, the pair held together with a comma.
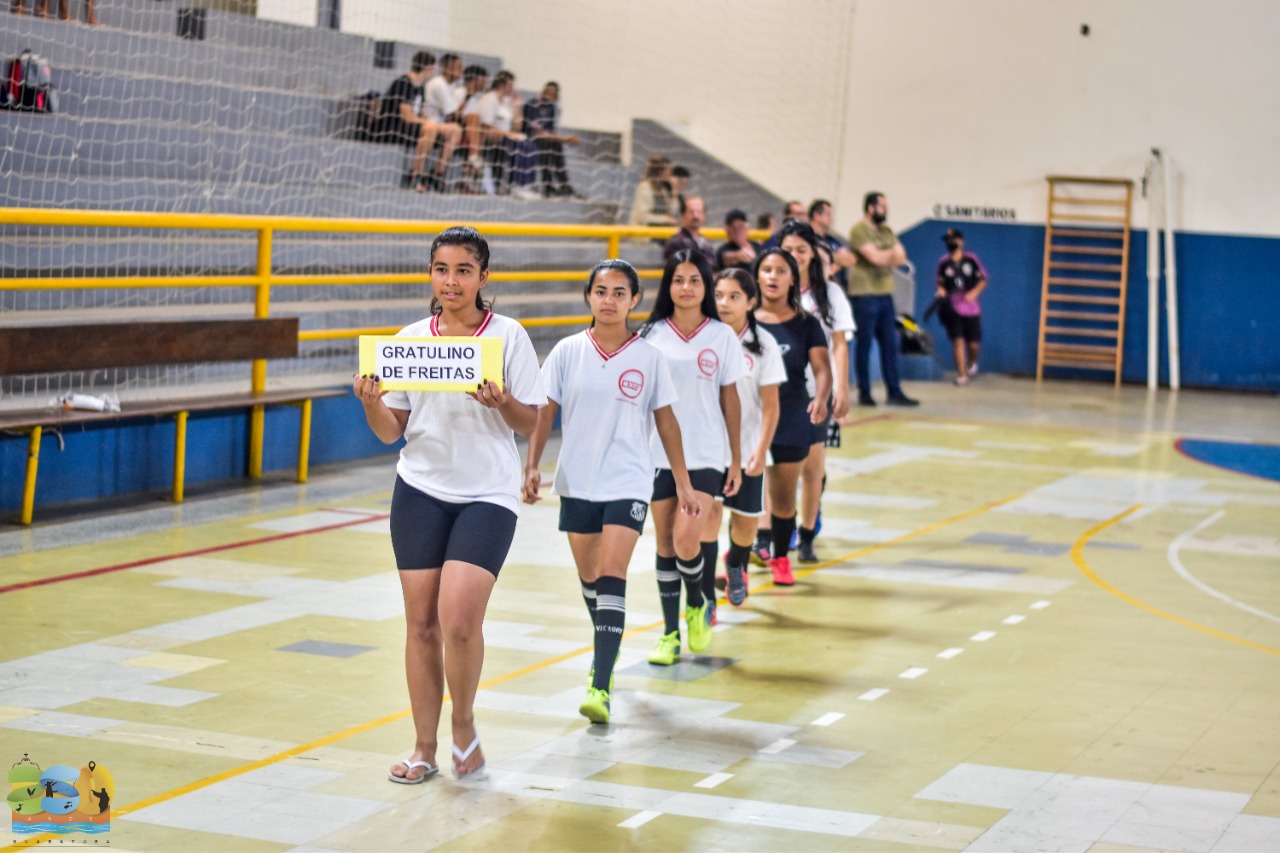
x: 457, y: 450
x: 607, y: 401
x: 495, y: 110
x: 841, y: 322
x: 443, y: 97
x: 700, y: 366
x: 764, y: 369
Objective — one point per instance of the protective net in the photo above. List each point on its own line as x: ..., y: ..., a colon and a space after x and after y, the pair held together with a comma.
x: 165, y: 109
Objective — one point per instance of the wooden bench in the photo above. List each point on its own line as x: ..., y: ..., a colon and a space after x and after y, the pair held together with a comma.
x: 45, y: 349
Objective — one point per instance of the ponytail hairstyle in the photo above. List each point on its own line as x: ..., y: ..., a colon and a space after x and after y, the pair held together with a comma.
x: 817, y: 281
x: 664, y: 306
x: 615, y: 265
x: 470, y: 239
x: 793, y: 293
x: 751, y: 341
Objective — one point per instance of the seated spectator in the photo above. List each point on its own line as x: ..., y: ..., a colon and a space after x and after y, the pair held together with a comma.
x: 821, y: 217
x: 680, y: 178
x: 767, y: 222
x: 693, y: 214
x: 400, y: 121
x: 542, y: 124
x: 739, y: 250
x: 498, y: 111
x: 445, y: 91
x: 652, y: 204
x: 475, y: 80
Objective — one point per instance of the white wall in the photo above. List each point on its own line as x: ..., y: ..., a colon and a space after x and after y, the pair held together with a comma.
x: 302, y: 12
x: 977, y: 101
x: 755, y: 82
x: 413, y: 21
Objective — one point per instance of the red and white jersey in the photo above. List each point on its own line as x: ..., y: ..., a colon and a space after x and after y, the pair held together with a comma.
x: 841, y: 322
x: 701, y: 364
x: 457, y: 450
x: 607, y: 401
x: 764, y: 369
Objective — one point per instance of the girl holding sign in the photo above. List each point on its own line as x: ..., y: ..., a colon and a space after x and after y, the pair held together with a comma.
x: 705, y: 360
x: 453, y: 511
x: 612, y: 388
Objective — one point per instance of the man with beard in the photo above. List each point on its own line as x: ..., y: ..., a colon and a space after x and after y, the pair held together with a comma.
x: 877, y: 252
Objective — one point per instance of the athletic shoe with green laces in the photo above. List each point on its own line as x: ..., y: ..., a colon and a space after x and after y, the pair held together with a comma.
x: 596, y: 706
x: 699, y: 627
x: 667, y: 651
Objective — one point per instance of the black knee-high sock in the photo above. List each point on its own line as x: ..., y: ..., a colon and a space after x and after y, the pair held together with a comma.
x: 782, y: 530
x: 691, y: 574
x: 738, y: 554
x: 611, y: 618
x: 709, y: 558
x: 589, y: 595
x: 669, y: 593
x: 807, y: 534
x: 764, y: 536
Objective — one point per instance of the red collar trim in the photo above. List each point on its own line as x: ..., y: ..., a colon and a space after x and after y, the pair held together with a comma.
x: 686, y: 338
x: 742, y: 336
x: 484, y: 324
x: 608, y: 355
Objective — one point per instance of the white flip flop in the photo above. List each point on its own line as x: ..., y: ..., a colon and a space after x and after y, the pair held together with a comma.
x: 460, y: 756
x: 429, y: 770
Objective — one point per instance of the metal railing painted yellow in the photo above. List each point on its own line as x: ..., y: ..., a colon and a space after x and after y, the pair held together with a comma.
x: 263, y: 277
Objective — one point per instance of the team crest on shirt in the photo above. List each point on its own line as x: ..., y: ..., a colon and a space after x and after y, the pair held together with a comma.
x: 708, y: 361
x: 631, y: 383
x: 751, y: 362
x: 638, y: 510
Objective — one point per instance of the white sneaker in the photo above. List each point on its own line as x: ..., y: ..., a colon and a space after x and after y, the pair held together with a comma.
x: 526, y: 193
x: 973, y: 369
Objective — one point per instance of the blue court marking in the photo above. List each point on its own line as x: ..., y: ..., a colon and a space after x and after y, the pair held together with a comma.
x: 1258, y: 460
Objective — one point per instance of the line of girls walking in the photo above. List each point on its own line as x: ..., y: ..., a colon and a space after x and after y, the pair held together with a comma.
x: 718, y: 370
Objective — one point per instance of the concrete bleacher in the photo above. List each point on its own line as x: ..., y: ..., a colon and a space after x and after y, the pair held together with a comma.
x: 256, y: 117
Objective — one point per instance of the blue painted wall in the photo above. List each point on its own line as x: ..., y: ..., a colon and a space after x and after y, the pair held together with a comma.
x: 1228, y: 303
x: 137, y: 456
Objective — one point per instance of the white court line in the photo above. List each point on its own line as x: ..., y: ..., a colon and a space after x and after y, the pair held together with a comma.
x: 713, y: 780
x: 950, y: 653
x: 873, y: 695
x: 828, y: 719
x: 1176, y: 562
x: 1039, y: 605
x: 914, y: 672
x: 1014, y: 619
x: 639, y: 819
x: 982, y: 636
x: 777, y: 746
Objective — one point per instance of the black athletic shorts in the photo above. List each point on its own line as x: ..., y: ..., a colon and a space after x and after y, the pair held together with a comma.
x: 784, y: 453
x: 427, y: 532
x: 750, y: 497
x: 709, y: 481
x: 969, y: 328
x: 580, y: 516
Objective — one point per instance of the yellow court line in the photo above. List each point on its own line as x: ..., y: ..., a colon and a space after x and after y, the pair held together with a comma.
x: 1077, y: 556
x: 492, y: 682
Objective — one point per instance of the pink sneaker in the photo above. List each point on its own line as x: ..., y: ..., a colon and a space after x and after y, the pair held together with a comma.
x: 781, y: 567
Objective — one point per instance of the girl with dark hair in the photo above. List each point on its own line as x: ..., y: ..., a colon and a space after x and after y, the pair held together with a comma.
x: 736, y: 297
x: 453, y: 510
x: 705, y: 360
x: 804, y: 346
x: 825, y: 300
x: 613, y: 391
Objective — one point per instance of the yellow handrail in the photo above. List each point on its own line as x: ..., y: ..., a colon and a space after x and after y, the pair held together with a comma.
x: 263, y: 278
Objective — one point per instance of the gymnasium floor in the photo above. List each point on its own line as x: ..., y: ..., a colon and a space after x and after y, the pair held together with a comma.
x: 1040, y: 626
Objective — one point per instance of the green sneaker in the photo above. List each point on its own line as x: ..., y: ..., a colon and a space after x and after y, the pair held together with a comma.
x: 699, y: 627
x: 591, y: 674
x: 667, y: 651
x: 596, y: 706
